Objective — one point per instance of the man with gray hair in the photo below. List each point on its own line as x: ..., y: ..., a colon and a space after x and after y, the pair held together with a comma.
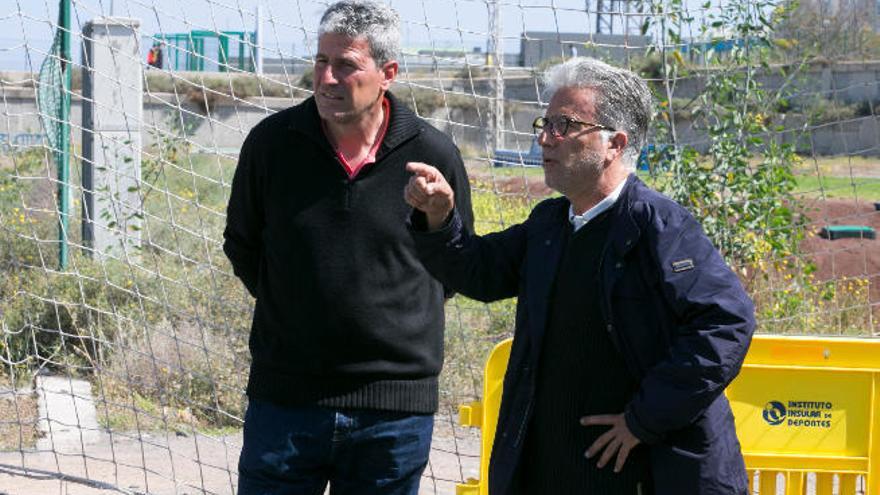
x: 347, y: 333
x: 629, y: 324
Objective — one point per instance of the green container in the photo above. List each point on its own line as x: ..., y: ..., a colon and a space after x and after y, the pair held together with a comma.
x: 834, y: 232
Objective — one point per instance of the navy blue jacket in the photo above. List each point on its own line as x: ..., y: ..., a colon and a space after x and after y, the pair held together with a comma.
x: 673, y: 308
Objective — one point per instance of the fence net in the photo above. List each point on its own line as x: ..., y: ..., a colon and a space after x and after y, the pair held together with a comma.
x: 124, y: 367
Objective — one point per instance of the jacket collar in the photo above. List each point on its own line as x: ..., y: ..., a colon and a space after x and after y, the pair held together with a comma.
x: 403, y: 126
x: 625, y: 230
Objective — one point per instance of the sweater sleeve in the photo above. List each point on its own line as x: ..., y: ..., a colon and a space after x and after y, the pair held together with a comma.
x: 458, y: 179
x: 244, y: 217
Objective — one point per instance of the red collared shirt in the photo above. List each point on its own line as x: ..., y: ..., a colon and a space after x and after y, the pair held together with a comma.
x: 353, y: 170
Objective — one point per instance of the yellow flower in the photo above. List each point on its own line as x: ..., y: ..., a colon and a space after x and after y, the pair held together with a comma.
x: 678, y: 57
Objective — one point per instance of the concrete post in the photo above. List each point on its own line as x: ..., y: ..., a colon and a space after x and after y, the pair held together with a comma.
x: 112, y: 111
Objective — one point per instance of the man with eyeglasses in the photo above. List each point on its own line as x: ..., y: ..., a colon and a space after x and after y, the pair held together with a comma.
x: 629, y: 323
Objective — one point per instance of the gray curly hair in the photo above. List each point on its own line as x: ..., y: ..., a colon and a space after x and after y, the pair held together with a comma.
x: 378, y: 23
x: 623, y: 100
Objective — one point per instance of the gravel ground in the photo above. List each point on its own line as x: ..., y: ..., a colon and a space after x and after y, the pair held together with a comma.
x: 160, y: 463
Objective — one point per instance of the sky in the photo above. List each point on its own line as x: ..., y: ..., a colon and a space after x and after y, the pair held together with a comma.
x: 27, y: 26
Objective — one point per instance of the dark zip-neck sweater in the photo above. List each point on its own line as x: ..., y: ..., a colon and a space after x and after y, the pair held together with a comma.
x: 345, y: 315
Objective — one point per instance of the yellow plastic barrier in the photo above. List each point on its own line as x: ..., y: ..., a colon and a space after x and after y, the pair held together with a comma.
x: 484, y: 415
x: 802, y: 405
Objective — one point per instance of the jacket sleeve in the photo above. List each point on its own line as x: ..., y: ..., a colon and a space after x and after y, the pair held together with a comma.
x: 485, y: 268
x: 714, y: 322
x: 244, y: 218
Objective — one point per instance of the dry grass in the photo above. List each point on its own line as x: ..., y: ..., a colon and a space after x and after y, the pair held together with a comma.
x: 840, y: 166
x: 177, y: 377
x: 18, y: 422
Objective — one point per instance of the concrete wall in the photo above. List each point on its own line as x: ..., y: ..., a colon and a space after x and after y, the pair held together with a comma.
x: 222, y: 127
x: 226, y: 125
x: 848, y: 82
x: 19, y: 121
x: 858, y: 136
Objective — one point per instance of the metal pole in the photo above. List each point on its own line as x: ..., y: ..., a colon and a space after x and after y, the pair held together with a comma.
x: 223, y: 52
x: 258, y: 42
x: 242, y: 63
x: 63, y: 153
x: 496, y: 61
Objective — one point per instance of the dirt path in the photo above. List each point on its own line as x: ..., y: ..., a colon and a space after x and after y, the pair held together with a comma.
x: 845, y: 257
x: 159, y: 463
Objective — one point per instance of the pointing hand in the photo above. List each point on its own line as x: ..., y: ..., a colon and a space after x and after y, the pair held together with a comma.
x: 429, y: 192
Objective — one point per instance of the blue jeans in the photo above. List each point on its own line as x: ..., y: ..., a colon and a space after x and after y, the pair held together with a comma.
x: 297, y: 451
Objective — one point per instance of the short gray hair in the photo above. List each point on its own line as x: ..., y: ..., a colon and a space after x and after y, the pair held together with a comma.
x: 623, y: 100
x: 378, y: 23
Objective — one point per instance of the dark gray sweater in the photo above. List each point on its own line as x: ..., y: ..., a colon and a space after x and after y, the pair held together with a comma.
x: 345, y: 315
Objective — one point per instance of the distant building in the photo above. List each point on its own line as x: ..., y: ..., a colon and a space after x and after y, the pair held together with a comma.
x: 876, y: 16
x: 538, y: 46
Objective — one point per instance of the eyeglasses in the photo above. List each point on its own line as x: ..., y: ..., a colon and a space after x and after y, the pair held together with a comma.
x: 558, y: 126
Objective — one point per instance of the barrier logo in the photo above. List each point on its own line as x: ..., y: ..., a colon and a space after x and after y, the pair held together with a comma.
x: 798, y: 413
x: 774, y: 413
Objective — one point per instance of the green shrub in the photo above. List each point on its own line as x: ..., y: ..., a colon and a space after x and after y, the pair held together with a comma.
x: 824, y: 111
x: 790, y: 300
